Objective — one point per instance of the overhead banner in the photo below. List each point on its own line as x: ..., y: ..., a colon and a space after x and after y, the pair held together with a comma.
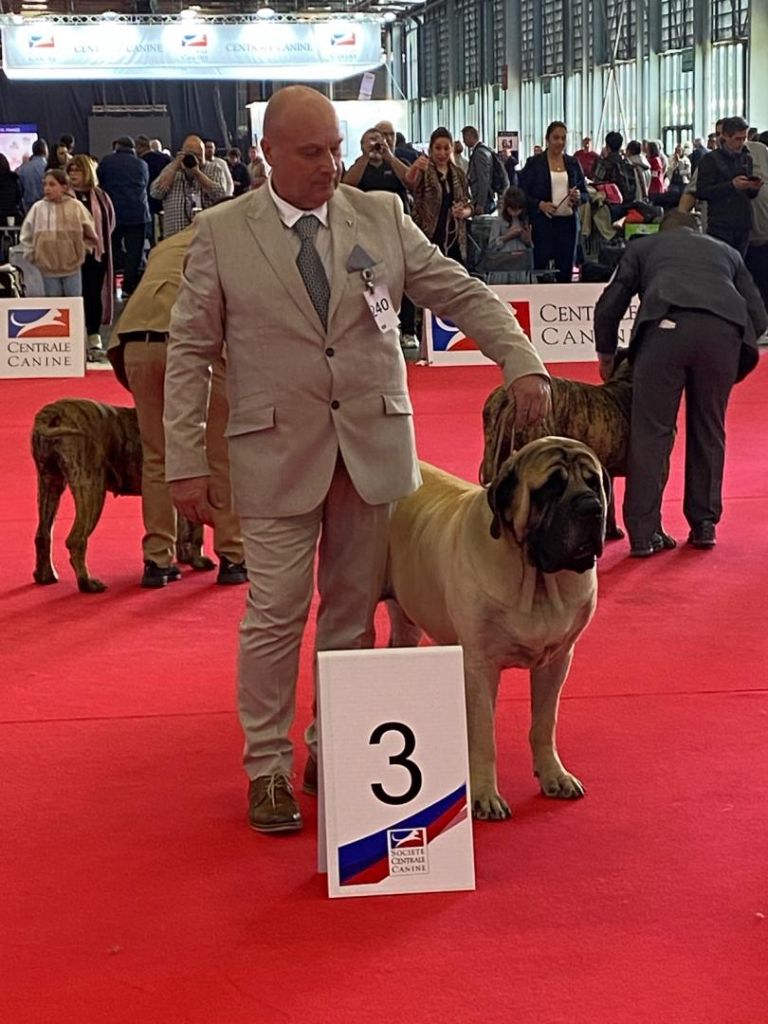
x: 296, y: 51
x: 558, y: 318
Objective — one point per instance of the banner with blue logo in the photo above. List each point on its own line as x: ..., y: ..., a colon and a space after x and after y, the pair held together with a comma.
x: 395, y: 811
x: 42, y: 338
x: 558, y: 319
x: 287, y: 51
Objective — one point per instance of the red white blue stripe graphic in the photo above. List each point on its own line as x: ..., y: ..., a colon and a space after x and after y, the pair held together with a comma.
x: 366, y: 861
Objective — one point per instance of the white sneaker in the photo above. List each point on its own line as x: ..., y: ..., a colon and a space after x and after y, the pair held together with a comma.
x: 409, y: 341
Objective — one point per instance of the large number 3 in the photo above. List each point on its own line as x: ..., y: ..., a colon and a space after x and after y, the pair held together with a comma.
x: 402, y: 759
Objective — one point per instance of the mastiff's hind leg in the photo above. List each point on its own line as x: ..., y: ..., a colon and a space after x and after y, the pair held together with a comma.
x: 50, y: 487
x: 89, y: 498
x: 403, y: 632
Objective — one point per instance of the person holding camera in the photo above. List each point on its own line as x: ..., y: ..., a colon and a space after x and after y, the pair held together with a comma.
x: 188, y: 184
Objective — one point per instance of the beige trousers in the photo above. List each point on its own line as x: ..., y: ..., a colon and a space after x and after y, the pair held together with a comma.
x: 145, y: 371
x: 280, y: 554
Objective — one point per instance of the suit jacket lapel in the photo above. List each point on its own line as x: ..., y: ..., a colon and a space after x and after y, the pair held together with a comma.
x: 269, y: 232
x: 341, y: 218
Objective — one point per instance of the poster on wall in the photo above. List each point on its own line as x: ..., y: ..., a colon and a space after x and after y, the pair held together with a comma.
x: 16, y: 142
x: 508, y: 144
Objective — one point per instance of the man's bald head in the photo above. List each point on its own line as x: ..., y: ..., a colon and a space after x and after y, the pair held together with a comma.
x: 194, y: 144
x: 302, y: 143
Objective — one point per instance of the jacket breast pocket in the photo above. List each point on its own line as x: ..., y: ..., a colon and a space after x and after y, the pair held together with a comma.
x: 250, y: 421
x: 397, y: 405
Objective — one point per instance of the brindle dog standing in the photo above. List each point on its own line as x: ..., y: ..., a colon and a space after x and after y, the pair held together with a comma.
x: 93, y: 448
x: 598, y: 415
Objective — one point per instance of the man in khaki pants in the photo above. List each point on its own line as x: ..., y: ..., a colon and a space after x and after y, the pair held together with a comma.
x: 137, y: 351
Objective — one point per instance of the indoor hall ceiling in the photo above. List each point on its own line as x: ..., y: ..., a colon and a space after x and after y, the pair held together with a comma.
x: 32, y: 8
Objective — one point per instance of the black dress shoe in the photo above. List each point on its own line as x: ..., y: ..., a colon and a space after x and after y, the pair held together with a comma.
x: 272, y: 806
x: 309, y: 782
x: 644, y: 549
x: 231, y: 572
x: 159, y: 575
x: 703, y: 535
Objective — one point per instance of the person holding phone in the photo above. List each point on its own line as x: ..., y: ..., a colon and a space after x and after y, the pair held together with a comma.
x: 728, y: 184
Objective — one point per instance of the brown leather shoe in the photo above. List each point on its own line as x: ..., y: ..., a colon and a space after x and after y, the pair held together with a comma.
x: 272, y: 806
x: 309, y: 782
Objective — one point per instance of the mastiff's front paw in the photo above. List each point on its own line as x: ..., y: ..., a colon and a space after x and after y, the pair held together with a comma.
x: 490, y: 806
x: 560, y: 785
x: 90, y: 585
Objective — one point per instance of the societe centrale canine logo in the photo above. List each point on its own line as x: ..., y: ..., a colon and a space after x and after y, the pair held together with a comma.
x: 38, y: 323
x: 446, y: 336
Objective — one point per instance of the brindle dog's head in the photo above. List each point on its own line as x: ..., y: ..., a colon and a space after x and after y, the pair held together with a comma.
x: 551, y: 496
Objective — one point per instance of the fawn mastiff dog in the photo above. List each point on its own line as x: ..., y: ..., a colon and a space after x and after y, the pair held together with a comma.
x: 92, y: 448
x: 508, y: 573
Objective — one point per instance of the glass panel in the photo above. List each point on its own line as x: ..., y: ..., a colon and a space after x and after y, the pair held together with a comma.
x: 676, y: 24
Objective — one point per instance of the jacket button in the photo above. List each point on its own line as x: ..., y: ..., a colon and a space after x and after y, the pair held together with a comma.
x: 330, y: 352
x: 334, y: 404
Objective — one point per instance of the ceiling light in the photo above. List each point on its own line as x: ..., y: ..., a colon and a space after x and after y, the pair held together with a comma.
x: 389, y: 17
x: 188, y: 14
x: 266, y: 12
x: 109, y: 15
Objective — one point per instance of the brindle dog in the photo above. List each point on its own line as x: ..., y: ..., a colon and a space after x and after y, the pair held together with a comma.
x: 598, y: 415
x: 93, y: 448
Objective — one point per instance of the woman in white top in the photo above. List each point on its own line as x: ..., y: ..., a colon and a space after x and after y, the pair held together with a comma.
x: 56, y: 235
x: 554, y: 183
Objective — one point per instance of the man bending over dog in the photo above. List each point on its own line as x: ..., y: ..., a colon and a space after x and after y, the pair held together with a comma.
x: 303, y: 279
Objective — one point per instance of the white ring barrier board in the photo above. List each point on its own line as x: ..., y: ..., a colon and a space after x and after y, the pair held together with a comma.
x: 558, y: 318
x: 393, y: 814
x: 42, y: 338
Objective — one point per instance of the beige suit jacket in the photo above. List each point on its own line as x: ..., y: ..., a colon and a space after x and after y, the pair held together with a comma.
x: 299, y: 394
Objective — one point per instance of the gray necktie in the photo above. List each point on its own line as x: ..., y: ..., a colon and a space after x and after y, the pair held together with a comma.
x: 311, y: 266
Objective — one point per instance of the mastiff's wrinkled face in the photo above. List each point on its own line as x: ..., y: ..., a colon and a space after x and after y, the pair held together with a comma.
x: 552, y: 496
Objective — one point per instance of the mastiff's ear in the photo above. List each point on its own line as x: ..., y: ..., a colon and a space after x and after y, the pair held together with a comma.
x: 509, y: 499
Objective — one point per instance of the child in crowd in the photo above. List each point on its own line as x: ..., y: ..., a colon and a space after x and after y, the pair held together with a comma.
x: 510, y: 241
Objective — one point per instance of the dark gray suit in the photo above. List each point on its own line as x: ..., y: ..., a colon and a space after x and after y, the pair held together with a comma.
x: 696, y: 331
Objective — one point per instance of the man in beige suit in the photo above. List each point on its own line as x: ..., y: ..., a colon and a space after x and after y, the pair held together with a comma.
x: 302, y: 280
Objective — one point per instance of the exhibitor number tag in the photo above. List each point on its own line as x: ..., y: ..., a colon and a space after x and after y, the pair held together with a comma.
x: 382, y: 308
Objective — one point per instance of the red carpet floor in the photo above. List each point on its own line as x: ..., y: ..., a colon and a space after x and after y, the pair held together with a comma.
x: 132, y: 890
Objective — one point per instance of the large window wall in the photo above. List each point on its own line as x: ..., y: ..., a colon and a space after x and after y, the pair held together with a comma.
x: 663, y: 69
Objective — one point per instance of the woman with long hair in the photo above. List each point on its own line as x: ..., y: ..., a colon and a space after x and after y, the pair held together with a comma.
x: 97, y: 271
x: 58, y: 157
x: 554, y: 183
x: 56, y: 234
x: 441, y: 203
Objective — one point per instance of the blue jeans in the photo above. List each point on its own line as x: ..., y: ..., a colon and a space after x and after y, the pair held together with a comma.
x: 67, y: 287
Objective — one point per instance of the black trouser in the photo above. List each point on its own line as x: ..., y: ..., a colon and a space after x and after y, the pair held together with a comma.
x: 699, y: 355
x: 92, y: 273
x: 736, y: 237
x: 554, y: 238
x: 407, y: 316
x: 757, y: 264
x: 128, y: 252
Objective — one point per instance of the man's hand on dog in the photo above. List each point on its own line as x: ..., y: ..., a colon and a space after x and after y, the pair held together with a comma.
x: 195, y: 498
x: 532, y: 396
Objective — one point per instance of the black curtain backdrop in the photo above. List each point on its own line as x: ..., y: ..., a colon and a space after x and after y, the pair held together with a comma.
x: 205, y: 108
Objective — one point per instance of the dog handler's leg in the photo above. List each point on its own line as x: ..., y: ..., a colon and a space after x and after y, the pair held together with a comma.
x: 481, y: 684
x: 50, y: 488
x: 89, y: 501
x: 546, y: 684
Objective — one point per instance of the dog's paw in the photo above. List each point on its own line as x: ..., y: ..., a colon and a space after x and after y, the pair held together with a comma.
x: 45, y: 576
x: 561, y: 785
x: 614, y: 533
x: 90, y: 585
x: 490, y: 807
x: 199, y: 563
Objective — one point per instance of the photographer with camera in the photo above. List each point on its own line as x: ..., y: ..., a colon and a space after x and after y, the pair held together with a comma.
x: 188, y: 184
x: 377, y: 169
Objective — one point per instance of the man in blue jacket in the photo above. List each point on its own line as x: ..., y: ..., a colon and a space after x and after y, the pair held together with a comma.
x: 124, y: 177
